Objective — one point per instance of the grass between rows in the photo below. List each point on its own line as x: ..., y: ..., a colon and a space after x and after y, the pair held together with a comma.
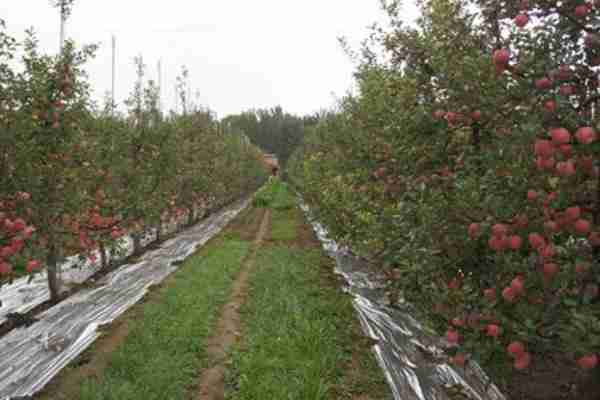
x: 165, y: 348
x: 302, y: 340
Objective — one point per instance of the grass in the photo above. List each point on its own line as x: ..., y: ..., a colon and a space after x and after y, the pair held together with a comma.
x: 275, y: 195
x: 300, y: 335
x: 165, y: 349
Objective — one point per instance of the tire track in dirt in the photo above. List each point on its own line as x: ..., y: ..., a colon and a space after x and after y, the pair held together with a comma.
x: 228, y: 330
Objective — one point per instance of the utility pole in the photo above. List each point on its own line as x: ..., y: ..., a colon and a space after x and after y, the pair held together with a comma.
x: 63, y: 21
x: 159, y: 86
x: 114, y: 68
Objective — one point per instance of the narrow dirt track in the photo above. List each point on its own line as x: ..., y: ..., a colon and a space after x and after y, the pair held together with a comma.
x: 212, y: 380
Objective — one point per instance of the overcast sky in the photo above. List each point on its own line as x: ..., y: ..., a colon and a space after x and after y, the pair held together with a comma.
x: 241, y: 54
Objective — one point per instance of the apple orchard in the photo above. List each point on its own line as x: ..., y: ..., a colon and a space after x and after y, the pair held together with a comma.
x: 468, y: 167
x: 77, y: 177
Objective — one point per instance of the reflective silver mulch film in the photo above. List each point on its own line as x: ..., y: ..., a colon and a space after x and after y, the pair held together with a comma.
x: 411, y: 358
x: 30, y: 357
x: 22, y: 295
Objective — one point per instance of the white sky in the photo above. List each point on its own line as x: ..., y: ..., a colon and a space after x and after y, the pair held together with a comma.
x: 241, y: 54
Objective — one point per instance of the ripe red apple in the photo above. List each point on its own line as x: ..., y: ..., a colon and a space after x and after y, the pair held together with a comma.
x: 515, y: 242
x: 438, y: 114
x: 476, y: 115
x: 523, y: 361
x: 515, y: 349
x: 560, y: 136
x: 458, y: 322
x: 544, y: 148
x: 551, y: 227
x: 501, y: 57
x: 499, y: 230
x: 582, y: 269
x: 585, y: 135
x: 547, y: 252
x: 550, y: 106
x: 474, y: 230
x: 583, y: 226
x: 5, y: 268
x: 573, y: 213
x: 581, y: 11
x: 588, y: 362
x: 459, y: 359
x: 565, y: 168
x: 493, y: 330
x: 509, y: 294
x: 452, y: 336
x: 532, y: 195
x: 566, y: 150
x: 567, y: 90
x: 518, y: 285
x: 550, y: 270
x: 543, y: 84
x: 536, y: 240
x: 498, y: 243
x: 521, y: 20
x: 33, y: 265
x: 490, y: 294
x: 594, y: 239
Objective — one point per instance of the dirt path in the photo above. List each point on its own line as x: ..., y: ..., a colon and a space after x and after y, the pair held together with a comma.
x: 212, y: 380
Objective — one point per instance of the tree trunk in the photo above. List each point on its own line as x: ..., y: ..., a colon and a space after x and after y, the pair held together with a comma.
x: 103, y: 256
x: 52, y: 268
x: 191, y: 219
x: 137, y: 242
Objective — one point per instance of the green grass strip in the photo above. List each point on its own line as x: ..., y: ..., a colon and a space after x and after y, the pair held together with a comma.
x: 165, y: 349
x: 297, y: 331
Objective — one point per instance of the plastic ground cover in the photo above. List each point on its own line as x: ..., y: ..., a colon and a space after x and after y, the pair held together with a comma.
x: 22, y: 295
x: 411, y: 358
x: 30, y: 357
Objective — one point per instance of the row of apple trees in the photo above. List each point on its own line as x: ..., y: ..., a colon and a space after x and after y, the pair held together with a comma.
x: 74, y: 178
x: 468, y: 166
